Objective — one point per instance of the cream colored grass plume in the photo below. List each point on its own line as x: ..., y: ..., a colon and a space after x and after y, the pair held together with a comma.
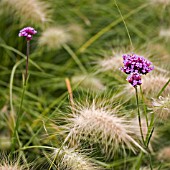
x: 77, y: 34
x: 88, y: 82
x: 6, y: 164
x: 112, y: 63
x: 34, y: 12
x: 54, y: 38
x: 69, y: 159
x: 164, y: 154
x: 161, y: 107
x: 100, y: 125
x: 154, y: 82
x: 151, y: 85
x: 165, y: 33
x: 160, y: 2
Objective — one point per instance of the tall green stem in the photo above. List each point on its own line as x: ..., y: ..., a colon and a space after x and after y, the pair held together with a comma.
x: 19, y: 114
x: 139, y: 118
x: 26, y: 70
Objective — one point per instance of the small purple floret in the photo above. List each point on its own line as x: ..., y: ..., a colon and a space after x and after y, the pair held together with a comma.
x: 27, y: 32
x: 134, y: 79
x: 135, y: 63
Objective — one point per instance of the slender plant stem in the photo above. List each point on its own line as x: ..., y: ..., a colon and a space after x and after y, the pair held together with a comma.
x: 124, y: 24
x: 15, y: 133
x: 27, y: 53
x: 19, y: 114
x: 139, y: 118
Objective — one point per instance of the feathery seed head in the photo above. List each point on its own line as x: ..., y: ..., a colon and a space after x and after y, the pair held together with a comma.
x: 165, y: 33
x: 27, y: 32
x: 164, y: 154
x: 54, y: 38
x: 6, y: 164
x: 5, y: 142
x: 160, y: 2
x: 153, y: 83
x: 99, y: 125
x: 88, y: 82
x: 77, y: 34
x: 110, y: 63
x: 9, y: 167
x: 161, y: 107
x: 69, y: 159
x: 33, y: 11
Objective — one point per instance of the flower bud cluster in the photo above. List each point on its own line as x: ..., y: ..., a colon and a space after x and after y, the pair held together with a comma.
x: 27, y: 32
x: 135, y: 65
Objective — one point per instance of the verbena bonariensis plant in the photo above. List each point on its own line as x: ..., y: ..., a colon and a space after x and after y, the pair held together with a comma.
x: 27, y: 32
x: 136, y: 66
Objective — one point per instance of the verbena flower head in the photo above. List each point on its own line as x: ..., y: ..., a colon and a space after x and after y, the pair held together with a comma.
x: 134, y: 79
x: 134, y: 63
x: 27, y: 32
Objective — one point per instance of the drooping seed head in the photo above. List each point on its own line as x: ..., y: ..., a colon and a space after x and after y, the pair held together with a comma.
x: 34, y: 12
x: 99, y: 125
x: 54, y: 38
x: 88, y: 82
x: 160, y: 2
x: 69, y: 159
x: 110, y: 63
x: 164, y: 33
x: 161, y: 107
x: 153, y: 83
x: 164, y: 154
x: 7, y: 164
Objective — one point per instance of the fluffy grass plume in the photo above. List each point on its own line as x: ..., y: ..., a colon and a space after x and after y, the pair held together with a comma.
x: 165, y: 33
x: 29, y: 11
x: 113, y: 62
x: 88, y: 82
x: 161, y: 107
x: 69, y: 159
x: 160, y: 2
x: 77, y: 34
x: 164, y: 154
x: 100, y: 125
x: 153, y: 83
x: 6, y: 164
x: 54, y: 37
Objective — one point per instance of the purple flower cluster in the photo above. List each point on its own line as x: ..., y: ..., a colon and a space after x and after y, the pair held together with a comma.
x: 27, y: 32
x: 134, y: 79
x: 135, y: 65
